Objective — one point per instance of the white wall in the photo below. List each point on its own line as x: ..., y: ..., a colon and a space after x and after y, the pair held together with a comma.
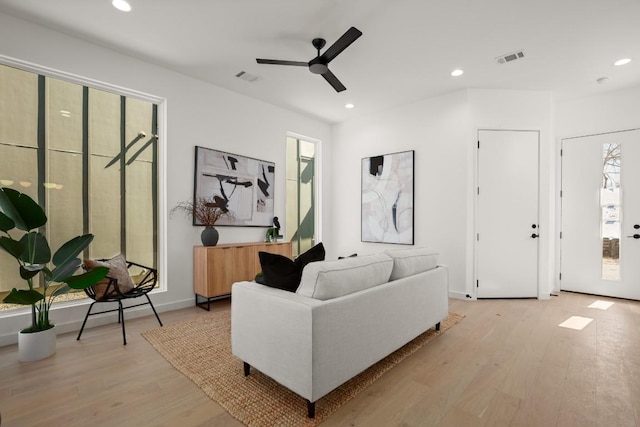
x: 443, y: 131
x: 607, y: 112
x: 197, y: 114
x: 437, y: 129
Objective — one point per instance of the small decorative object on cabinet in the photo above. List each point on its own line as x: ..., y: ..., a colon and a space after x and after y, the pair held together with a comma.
x: 216, y: 268
x: 209, y: 236
x: 204, y: 211
x: 271, y: 235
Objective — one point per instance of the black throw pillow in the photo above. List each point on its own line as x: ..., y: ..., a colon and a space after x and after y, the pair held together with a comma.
x: 316, y: 253
x: 280, y: 272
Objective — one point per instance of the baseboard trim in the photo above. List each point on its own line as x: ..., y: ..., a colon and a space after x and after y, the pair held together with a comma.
x: 457, y: 295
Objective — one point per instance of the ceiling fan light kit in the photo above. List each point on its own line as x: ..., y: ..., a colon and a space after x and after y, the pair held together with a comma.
x: 320, y: 64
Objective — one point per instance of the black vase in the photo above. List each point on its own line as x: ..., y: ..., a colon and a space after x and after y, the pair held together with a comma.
x: 209, y: 236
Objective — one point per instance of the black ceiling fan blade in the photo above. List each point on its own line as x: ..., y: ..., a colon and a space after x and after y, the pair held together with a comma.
x: 341, y: 44
x: 279, y: 62
x: 333, y: 81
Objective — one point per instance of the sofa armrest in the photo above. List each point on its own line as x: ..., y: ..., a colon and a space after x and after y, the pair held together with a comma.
x: 271, y: 330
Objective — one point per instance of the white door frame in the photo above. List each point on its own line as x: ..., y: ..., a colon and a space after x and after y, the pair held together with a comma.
x: 476, y: 183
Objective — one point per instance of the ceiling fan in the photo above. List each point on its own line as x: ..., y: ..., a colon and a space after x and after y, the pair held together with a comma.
x: 320, y: 64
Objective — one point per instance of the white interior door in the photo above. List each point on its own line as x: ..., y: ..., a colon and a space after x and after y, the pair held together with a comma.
x: 600, y: 240
x: 507, y: 214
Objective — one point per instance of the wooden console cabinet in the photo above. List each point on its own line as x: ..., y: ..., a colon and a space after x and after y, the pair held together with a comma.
x: 216, y: 268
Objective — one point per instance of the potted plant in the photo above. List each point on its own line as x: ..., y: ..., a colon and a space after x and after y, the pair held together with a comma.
x: 204, y: 211
x: 18, y: 211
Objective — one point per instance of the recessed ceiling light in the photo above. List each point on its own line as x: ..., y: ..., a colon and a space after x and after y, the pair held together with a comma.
x: 457, y: 72
x: 623, y: 61
x: 122, y: 5
x: 349, y: 105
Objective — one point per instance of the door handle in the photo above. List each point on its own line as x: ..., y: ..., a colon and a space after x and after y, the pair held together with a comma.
x: 635, y: 236
x: 534, y: 235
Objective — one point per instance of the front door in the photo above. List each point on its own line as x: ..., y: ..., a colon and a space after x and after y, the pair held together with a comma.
x: 600, y: 239
x: 507, y: 214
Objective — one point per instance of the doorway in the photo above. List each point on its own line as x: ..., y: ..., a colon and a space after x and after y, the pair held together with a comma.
x: 301, y: 194
x: 600, y: 209
x: 507, y: 227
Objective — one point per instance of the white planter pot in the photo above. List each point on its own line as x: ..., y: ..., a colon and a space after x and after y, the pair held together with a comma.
x: 36, y: 345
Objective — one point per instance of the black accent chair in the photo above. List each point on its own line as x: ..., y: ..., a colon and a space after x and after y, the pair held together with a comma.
x: 144, y: 283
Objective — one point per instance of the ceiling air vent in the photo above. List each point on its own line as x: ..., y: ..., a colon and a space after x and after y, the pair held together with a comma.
x: 243, y: 75
x: 509, y: 57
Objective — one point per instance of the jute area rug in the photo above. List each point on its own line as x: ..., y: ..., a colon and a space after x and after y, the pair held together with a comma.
x: 257, y: 400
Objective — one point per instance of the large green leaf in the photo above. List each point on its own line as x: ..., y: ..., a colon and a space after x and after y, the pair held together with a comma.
x: 87, y: 279
x: 6, y: 223
x: 22, y: 209
x: 12, y: 247
x: 37, y: 249
x: 63, y: 289
x: 71, y: 249
x: 23, y: 297
x: 63, y: 271
x: 28, y: 273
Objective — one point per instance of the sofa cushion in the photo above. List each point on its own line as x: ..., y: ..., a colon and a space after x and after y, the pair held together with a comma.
x: 281, y: 272
x: 332, y: 279
x: 407, y: 262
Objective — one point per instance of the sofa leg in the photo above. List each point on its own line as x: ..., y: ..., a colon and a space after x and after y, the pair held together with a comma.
x: 311, y: 409
x: 247, y: 369
x: 438, y: 326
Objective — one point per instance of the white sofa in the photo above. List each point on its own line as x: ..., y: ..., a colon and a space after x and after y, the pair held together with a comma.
x: 345, y: 316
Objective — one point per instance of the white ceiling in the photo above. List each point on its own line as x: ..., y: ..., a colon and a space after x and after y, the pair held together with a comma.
x: 406, y: 53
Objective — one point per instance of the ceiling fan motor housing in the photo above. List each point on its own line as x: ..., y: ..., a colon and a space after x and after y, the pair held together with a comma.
x: 317, y: 66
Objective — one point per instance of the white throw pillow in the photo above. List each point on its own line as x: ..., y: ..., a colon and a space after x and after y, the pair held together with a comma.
x: 331, y: 279
x: 407, y: 262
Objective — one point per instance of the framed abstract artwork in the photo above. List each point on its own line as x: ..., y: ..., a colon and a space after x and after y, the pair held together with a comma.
x: 388, y: 198
x: 241, y: 185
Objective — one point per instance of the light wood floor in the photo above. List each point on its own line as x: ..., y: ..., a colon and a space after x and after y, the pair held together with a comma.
x: 506, y: 364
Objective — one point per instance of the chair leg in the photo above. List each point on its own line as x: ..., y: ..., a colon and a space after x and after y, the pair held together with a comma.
x: 121, y: 315
x: 85, y: 321
x: 154, y: 309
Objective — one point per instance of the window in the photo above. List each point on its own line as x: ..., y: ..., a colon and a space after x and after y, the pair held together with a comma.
x: 301, y: 199
x: 610, y: 204
x: 88, y: 156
